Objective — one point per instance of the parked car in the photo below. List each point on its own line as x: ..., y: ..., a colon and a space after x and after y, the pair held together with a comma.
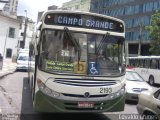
x: 149, y: 104
x: 135, y: 84
x: 22, y: 61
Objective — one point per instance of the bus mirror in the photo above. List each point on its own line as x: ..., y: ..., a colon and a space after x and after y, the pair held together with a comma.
x: 31, y: 48
x: 39, y: 25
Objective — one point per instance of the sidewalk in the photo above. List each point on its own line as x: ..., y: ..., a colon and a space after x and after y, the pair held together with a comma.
x: 8, y: 67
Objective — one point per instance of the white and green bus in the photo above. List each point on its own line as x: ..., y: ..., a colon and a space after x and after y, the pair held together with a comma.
x: 147, y: 66
x: 79, y: 63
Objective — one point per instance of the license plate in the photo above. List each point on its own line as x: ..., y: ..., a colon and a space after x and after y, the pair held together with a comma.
x: 85, y: 104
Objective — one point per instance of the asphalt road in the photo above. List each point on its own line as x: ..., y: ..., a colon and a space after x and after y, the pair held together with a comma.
x: 15, y: 102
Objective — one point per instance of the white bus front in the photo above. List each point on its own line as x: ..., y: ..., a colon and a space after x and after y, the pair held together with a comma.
x: 79, y: 70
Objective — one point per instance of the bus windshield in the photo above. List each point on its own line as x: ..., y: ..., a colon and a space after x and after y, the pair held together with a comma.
x: 70, y: 52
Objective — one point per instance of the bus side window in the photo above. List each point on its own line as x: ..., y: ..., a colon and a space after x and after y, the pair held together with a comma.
x: 145, y: 63
x: 153, y: 64
x: 141, y: 63
x: 132, y: 62
x: 136, y: 63
x: 150, y: 63
x: 158, y: 63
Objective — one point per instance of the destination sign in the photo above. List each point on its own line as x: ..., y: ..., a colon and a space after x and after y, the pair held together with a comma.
x: 84, y: 21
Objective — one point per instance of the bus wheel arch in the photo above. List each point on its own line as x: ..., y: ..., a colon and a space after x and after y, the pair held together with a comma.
x: 151, y: 80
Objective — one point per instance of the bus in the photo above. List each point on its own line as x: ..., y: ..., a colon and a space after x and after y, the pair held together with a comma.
x: 79, y: 63
x: 147, y: 66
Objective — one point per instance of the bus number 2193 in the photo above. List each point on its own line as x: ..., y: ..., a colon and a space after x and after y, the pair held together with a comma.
x: 106, y: 90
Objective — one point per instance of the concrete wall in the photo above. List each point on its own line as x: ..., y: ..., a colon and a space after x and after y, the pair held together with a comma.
x: 5, y: 41
x: 80, y: 5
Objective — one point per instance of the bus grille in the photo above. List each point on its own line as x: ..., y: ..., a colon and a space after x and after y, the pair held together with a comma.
x: 85, y: 82
x: 82, y: 96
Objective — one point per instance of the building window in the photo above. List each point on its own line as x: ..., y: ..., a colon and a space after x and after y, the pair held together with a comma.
x: 11, y: 32
x: 9, y: 53
x: 22, y: 33
x: 76, y: 7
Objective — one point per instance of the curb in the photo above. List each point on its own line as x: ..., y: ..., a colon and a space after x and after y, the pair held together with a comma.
x: 7, y: 74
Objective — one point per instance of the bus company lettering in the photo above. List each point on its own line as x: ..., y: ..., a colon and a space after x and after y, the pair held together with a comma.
x: 85, y: 22
x: 54, y: 65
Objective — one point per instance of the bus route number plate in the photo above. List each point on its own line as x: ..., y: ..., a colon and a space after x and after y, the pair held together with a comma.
x: 85, y: 104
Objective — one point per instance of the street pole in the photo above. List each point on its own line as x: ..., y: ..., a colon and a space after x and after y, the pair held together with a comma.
x: 25, y: 30
x: 140, y: 39
x: 4, y: 49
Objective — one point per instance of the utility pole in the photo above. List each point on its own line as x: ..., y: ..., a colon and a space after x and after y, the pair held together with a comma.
x: 25, y: 29
x: 140, y: 39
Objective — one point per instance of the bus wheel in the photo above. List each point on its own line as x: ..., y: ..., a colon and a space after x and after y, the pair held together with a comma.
x: 151, y: 80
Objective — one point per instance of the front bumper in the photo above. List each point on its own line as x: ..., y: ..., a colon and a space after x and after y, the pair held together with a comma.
x: 45, y: 103
x: 22, y: 67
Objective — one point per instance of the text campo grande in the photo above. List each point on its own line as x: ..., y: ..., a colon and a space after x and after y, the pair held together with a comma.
x: 85, y: 22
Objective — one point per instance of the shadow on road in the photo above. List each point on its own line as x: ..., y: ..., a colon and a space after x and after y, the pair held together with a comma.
x: 27, y: 112
x: 65, y: 116
x: 131, y: 102
x: 26, y: 107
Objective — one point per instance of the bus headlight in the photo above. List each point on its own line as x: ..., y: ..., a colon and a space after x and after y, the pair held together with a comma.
x: 46, y: 90
x: 117, y: 94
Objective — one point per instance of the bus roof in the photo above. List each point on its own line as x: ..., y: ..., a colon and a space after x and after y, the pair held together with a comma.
x: 80, y: 12
x: 144, y: 57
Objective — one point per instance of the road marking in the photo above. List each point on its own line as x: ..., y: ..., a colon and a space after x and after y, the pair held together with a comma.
x: 0, y: 110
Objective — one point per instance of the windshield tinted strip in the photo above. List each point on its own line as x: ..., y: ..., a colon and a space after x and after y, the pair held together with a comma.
x: 83, y: 79
x: 86, y: 85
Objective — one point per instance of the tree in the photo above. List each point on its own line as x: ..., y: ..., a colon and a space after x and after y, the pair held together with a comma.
x: 154, y: 33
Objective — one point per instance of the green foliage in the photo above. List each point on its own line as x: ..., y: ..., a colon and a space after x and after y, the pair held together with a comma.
x: 154, y: 33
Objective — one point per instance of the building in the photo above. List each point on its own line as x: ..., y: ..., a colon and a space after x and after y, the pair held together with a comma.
x: 9, y: 30
x: 23, y: 41
x: 2, y: 4
x: 10, y: 7
x: 137, y: 14
x: 53, y: 7
x: 81, y: 5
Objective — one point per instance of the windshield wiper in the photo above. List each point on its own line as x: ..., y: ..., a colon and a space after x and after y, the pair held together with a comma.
x: 101, y: 43
x: 75, y: 43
